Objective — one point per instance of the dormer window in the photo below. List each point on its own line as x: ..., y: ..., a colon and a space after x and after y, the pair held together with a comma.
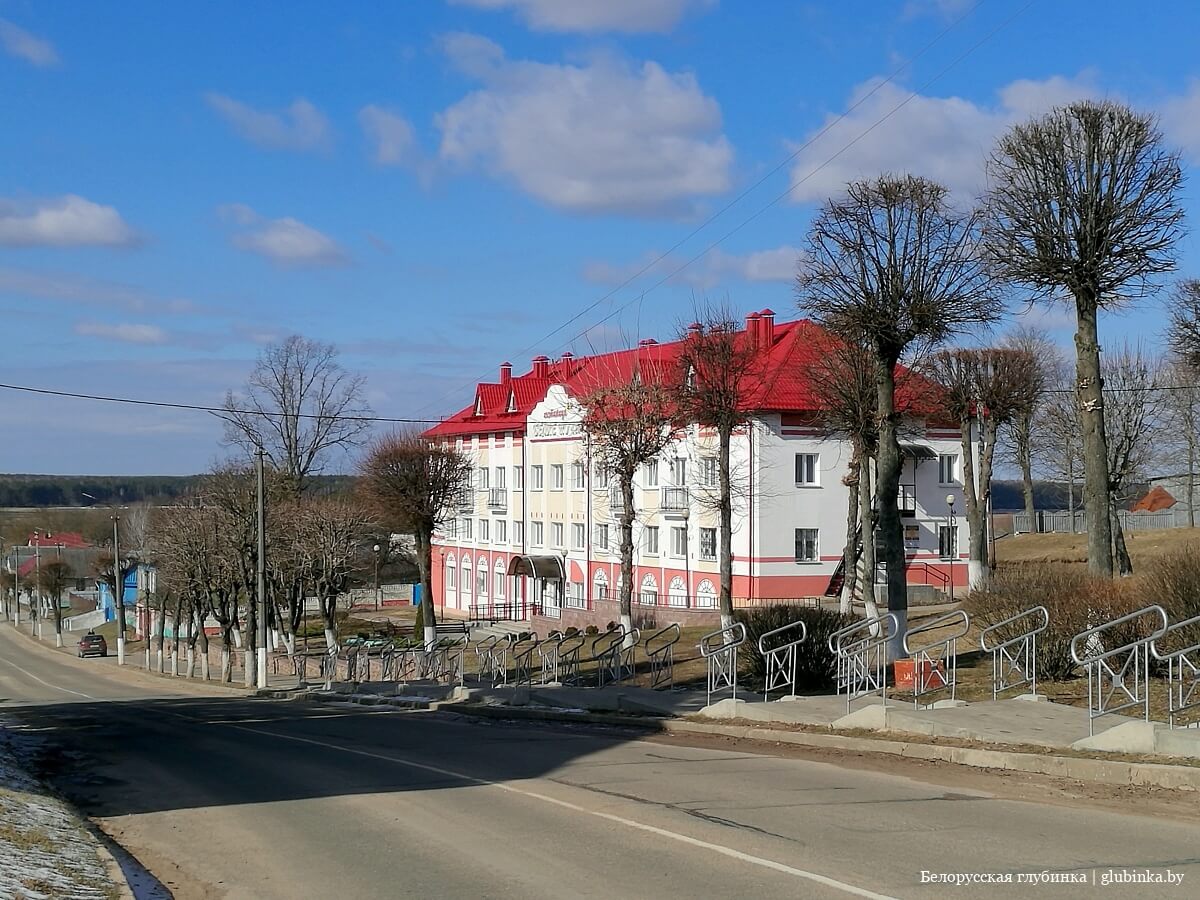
x: 512, y: 402
x: 479, y: 404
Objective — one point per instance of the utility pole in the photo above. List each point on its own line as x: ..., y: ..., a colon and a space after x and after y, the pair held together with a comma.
x: 262, y: 577
x: 377, y: 577
x: 118, y: 591
x: 37, y: 581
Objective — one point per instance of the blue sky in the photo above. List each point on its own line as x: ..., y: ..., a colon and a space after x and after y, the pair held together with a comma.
x: 435, y: 186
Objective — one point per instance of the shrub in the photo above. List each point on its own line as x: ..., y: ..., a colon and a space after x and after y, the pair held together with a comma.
x: 1174, y: 584
x: 1074, y: 601
x: 815, y: 664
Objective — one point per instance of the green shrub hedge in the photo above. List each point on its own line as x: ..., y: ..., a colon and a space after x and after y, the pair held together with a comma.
x: 815, y: 664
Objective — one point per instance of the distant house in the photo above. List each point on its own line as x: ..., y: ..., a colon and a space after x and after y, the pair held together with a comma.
x: 1175, y: 487
x: 1156, y: 499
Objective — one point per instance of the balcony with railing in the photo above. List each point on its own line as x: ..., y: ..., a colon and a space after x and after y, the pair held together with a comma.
x: 498, y: 499
x: 673, y: 501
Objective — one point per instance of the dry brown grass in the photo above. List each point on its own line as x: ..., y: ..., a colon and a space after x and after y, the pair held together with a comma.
x: 1144, y: 546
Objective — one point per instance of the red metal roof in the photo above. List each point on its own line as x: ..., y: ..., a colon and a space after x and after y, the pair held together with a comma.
x: 781, y: 386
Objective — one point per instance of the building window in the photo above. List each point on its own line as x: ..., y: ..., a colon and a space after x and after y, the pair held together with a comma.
x: 948, y: 541
x: 535, y: 478
x: 518, y: 533
x: 535, y: 533
x: 482, y: 478
x: 679, y: 542
x: 452, y: 529
x: 578, y: 535
x: 912, y: 537
x: 652, y: 474
x: 466, y: 529
x: 501, y: 478
x: 806, y: 469
x: 708, y: 543
x: 806, y: 545
x: 679, y: 471
x: 602, y: 477
x: 601, y: 537
x: 518, y: 478
x: 556, y: 477
x: 483, y: 531
x: 948, y: 468
x: 649, y: 593
x: 501, y: 531
x: 499, y: 592
x: 652, y: 540
x: 451, y: 577
x: 556, y: 531
x: 577, y: 479
x: 481, y: 582
x: 710, y: 471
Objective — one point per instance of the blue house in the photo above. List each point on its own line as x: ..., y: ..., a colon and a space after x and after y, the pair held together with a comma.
x: 129, y: 596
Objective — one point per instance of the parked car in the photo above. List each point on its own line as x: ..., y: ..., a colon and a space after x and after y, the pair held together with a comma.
x: 92, y: 644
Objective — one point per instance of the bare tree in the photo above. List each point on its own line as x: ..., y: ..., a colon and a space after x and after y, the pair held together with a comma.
x: 1019, y: 435
x: 1131, y: 418
x: 629, y: 424
x: 331, y: 535
x: 112, y: 573
x: 1180, y: 401
x: 299, y: 406
x: 719, y: 366
x: 1084, y: 202
x: 1184, y: 331
x: 983, y: 390
x: 1058, y: 453
x: 53, y: 580
x: 415, y: 486
x: 892, y: 267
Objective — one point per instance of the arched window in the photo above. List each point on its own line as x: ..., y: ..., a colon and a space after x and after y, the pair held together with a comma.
x: 600, y: 585
x: 649, y: 593
x: 464, y: 584
x: 501, y: 577
x: 481, y: 580
x: 706, y: 594
x: 451, y: 575
x: 677, y: 592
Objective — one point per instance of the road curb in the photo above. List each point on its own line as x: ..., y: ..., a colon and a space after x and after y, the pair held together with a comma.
x: 1101, y: 771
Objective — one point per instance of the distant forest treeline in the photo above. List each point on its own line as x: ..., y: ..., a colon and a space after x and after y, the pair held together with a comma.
x: 114, y: 490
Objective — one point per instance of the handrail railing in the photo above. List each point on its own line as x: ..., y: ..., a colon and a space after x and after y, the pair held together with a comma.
x: 720, y: 648
x: 569, y: 648
x: 548, y: 652
x: 1021, y: 661
x: 662, y: 656
x: 783, y: 657
x: 934, y: 670
x: 523, y: 659
x: 485, y: 656
x: 1181, y: 695
x: 1110, y: 681
x: 860, y: 650
x: 613, y: 658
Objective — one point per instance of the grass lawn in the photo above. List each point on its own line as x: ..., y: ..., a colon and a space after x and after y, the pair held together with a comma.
x: 1144, y: 546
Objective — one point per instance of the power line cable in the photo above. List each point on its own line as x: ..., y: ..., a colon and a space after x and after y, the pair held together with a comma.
x: 736, y: 200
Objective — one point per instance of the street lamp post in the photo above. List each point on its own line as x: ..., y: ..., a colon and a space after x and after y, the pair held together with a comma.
x: 118, y: 591
x: 376, y: 548
x: 262, y: 576
x: 951, y: 542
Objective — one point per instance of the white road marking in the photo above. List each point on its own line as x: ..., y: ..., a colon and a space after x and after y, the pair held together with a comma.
x: 620, y: 820
x: 54, y: 687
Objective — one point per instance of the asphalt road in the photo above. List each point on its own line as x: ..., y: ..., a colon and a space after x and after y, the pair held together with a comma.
x: 221, y: 796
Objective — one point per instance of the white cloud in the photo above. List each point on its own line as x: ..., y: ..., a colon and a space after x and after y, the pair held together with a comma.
x: 126, y: 333
x: 300, y: 126
x: 65, y: 287
x: 715, y: 268
x: 944, y: 138
x: 603, y: 137
x: 391, y: 135
x: 590, y: 16
x: 20, y: 43
x: 1181, y: 120
x: 67, y: 221
x: 285, y: 242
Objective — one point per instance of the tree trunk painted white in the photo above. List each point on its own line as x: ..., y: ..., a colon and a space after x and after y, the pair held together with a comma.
x: 977, y: 574
x: 120, y: 650
x: 58, y: 641
x: 191, y: 663
x: 627, y: 624
x: 250, y: 666
x: 330, y: 638
x: 726, y: 621
x: 289, y: 643
x: 237, y: 637
x: 226, y: 665
x: 430, y: 634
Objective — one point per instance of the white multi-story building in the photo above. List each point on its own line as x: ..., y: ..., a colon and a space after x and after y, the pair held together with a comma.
x: 538, y: 536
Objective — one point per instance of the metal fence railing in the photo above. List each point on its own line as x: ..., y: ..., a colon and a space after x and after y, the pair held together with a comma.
x: 1060, y: 520
x: 1183, y: 667
x: 1118, y: 677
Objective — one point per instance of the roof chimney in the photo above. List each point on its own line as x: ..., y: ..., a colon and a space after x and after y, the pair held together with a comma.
x: 695, y: 329
x: 752, y: 321
x: 647, y: 342
x: 505, y: 372
x: 766, y: 328
x: 568, y: 356
x: 541, y: 367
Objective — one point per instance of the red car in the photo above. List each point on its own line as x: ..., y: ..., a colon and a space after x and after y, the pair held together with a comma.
x: 92, y: 645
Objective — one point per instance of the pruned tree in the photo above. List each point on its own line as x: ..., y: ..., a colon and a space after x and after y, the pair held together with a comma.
x: 1132, y: 405
x: 415, y: 486
x: 628, y: 424
x: 1184, y: 331
x: 54, y: 578
x: 330, y: 539
x: 719, y: 368
x: 843, y: 382
x: 983, y: 390
x: 1083, y: 203
x: 1019, y: 437
x: 892, y: 267
x: 299, y: 406
x: 1180, y: 405
x: 112, y: 572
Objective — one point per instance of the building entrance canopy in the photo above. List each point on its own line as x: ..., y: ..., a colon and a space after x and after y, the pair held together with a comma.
x: 549, y: 567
